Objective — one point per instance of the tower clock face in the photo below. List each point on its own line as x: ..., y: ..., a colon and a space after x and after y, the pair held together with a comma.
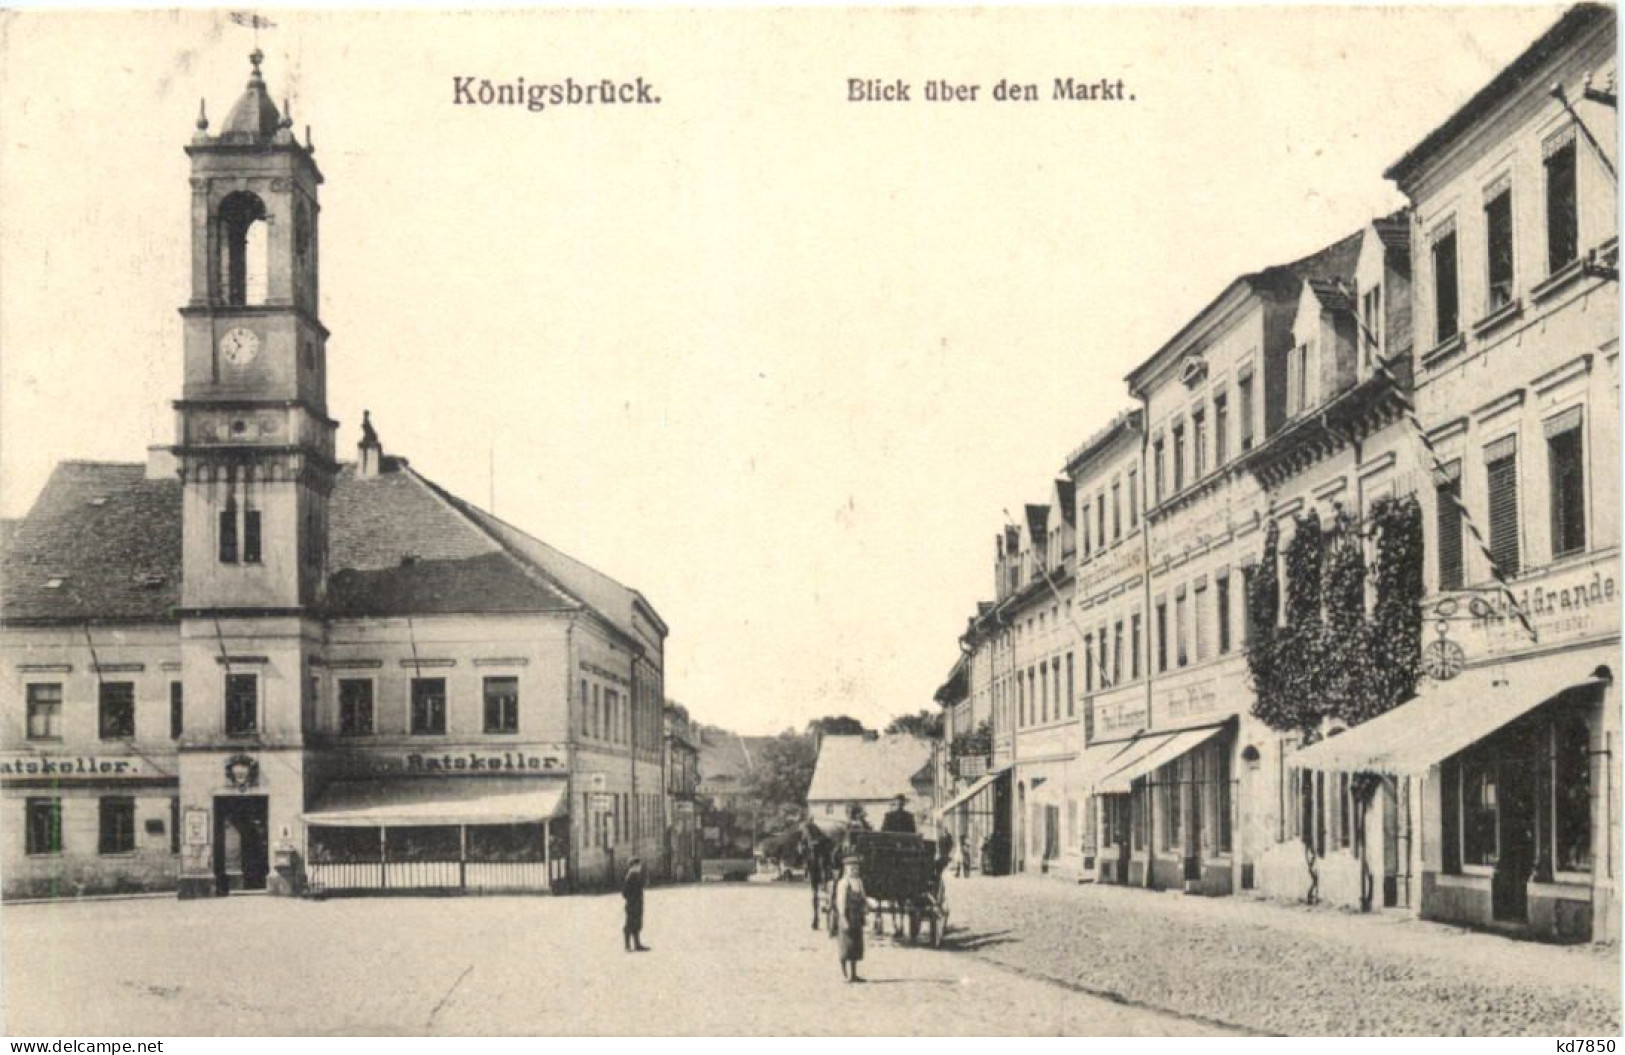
x: 239, y: 346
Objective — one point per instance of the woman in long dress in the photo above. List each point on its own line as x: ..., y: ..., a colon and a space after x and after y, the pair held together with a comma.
x: 851, y: 907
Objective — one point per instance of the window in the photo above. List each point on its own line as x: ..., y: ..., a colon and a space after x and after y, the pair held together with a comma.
x: 1199, y: 442
x: 1106, y: 681
x: 43, y: 826
x: 1221, y: 591
x: 1085, y: 526
x: 1088, y: 663
x: 1498, y: 230
x: 1157, y: 469
x: 1032, y: 696
x: 1562, y: 217
x: 251, y: 536
x: 117, y: 827
x: 177, y: 710
x: 1571, y: 785
x: 45, y: 711
x: 1199, y: 616
x: 1244, y: 405
x: 1179, y: 630
x: 1117, y: 653
x: 1162, y: 636
x: 1567, y: 470
x: 1478, y: 811
x: 1141, y: 796
x: 1297, y: 378
x: 1221, y: 797
x: 1179, y: 457
x: 1043, y: 692
x: 1447, y: 517
x: 1071, y: 697
x: 175, y: 825
x: 228, y: 534
x: 1345, y: 812
x: 117, y: 707
x: 1117, y: 512
x: 1221, y: 426
x: 1021, y: 700
x: 1168, y: 788
x: 429, y: 706
x: 1134, y: 646
x: 597, y: 716
x: 1133, y: 498
x: 1501, y: 460
x: 242, y: 704
x: 1445, y: 316
x: 355, y: 707
x: 1100, y: 506
x: 1371, y: 309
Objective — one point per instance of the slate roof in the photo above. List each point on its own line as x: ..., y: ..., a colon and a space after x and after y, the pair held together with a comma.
x: 856, y: 768
x: 399, y: 545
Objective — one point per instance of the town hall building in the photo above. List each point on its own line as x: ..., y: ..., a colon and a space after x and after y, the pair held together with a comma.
x: 248, y: 665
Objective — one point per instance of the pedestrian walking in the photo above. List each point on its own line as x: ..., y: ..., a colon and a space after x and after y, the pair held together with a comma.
x: 632, y: 894
x: 851, y: 907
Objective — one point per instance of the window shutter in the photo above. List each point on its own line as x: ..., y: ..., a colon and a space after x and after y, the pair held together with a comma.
x: 1503, y: 490
x: 1448, y: 520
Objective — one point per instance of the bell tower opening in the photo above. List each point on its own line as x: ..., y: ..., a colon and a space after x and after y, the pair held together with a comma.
x: 244, y: 250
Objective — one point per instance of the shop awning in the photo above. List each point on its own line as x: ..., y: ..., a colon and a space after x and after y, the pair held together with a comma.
x: 1100, y: 760
x: 1152, y: 754
x: 428, y: 801
x: 974, y: 790
x: 1448, y: 717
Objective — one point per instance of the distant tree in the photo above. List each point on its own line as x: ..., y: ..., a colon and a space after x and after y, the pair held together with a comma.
x: 927, y: 724
x: 783, y: 771
x: 835, y: 725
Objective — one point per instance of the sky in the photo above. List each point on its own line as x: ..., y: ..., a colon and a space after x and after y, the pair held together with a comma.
x: 776, y: 359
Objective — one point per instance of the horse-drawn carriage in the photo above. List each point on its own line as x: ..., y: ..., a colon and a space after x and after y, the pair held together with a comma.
x: 901, y: 878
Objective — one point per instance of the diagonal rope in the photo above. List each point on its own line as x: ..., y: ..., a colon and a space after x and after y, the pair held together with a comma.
x: 1596, y: 148
x: 1420, y: 433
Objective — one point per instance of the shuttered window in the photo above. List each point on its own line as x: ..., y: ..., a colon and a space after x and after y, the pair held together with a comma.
x: 1447, y: 487
x: 1445, y: 313
x: 1564, y: 450
x: 1501, y: 460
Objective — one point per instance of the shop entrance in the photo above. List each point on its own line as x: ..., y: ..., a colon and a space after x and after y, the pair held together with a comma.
x: 242, y: 857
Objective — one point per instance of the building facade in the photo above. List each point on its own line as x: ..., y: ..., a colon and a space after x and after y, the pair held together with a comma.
x: 246, y: 665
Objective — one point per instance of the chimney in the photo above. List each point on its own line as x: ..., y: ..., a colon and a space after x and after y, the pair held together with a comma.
x: 162, y: 463
x: 371, y: 460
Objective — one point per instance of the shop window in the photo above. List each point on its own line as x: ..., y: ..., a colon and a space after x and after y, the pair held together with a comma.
x: 1450, y: 815
x: 117, y: 825
x: 177, y: 709
x: 1168, y: 805
x: 1567, y: 470
x: 1345, y: 810
x: 242, y: 705
x: 1498, y: 231
x: 1479, y: 812
x: 1501, y: 462
x: 43, y: 826
x: 429, y: 706
x: 1447, y: 491
x: 502, y: 705
x: 1562, y: 213
x: 505, y: 842
x: 355, y: 707
x: 1222, y: 793
x: 1571, y: 786
x: 117, y: 710
x: 345, y: 845
x: 45, y: 711
x: 440, y: 842
x: 1446, y: 315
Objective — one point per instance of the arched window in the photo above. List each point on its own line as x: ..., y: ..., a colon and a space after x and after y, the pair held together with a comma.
x: 244, y: 249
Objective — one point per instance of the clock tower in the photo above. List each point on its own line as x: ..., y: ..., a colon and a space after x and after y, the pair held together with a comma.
x: 256, y: 457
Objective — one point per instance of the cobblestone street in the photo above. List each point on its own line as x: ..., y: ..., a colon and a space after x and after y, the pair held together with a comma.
x: 1278, y: 968
x: 1024, y: 956
x: 725, y: 959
